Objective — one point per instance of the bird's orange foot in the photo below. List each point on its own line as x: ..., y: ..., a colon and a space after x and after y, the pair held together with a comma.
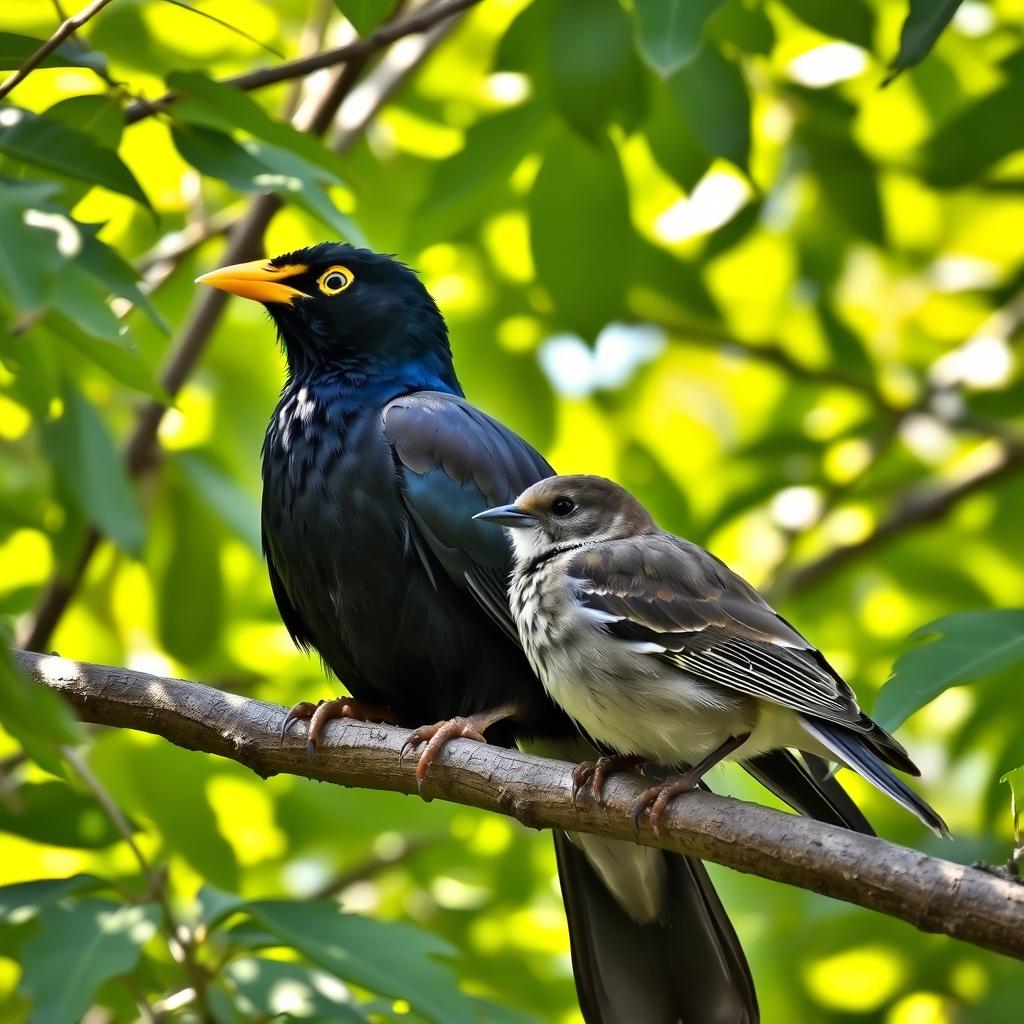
x: 657, y: 798
x: 319, y: 714
x: 596, y: 774
x: 470, y: 727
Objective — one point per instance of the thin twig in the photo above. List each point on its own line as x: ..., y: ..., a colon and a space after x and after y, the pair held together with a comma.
x: 918, y: 506
x: 67, y: 28
x: 932, y: 894
x: 421, y: 21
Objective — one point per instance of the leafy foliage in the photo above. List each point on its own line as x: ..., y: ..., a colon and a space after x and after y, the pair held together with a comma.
x: 692, y: 245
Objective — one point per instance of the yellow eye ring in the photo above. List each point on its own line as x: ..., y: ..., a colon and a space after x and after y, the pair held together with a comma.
x: 334, y: 280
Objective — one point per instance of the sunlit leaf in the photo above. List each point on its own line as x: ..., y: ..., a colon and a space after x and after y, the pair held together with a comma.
x: 15, y: 49
x: 711, y: 96
x: 962, y: 648
x: 264, y: 989
x: 191, y: 602
x: 76, y: 949
x: 669, y: 32
x: 222, y: 495
x: 258, y: 167
x: 90, y: 471
x: 24, y: 900
x: 54, y: 813
x: 464, y: 187
x: 51, y: 144
x: 852, y: 19
x: 591, y: 56
x: 1015, y: 780
x: 364, y: 15
x: 388, y: 958
x: 31, y: 253
x: 573, y: 231
x: 924, y: 24
x: 34, y: 715
x: 209, y: 103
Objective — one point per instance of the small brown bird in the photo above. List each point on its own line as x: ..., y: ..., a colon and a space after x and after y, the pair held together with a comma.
x: 660, y: 652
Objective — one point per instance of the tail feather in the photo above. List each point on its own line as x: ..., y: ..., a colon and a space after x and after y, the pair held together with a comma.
x: 857, y: 751
x: 687, y: 965
x: 807, y: 790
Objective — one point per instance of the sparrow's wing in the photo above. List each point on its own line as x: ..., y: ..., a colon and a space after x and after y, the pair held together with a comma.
x: 679, y: 603
x: 456, y: 461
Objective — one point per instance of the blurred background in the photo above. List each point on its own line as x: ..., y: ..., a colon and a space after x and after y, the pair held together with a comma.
x: 693, y: 246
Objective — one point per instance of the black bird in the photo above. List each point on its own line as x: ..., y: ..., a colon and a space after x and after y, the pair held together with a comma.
x: 373, y: 466
x: 656, y: 648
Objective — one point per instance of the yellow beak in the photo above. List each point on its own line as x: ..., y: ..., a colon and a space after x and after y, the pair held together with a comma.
x: 257, y: 280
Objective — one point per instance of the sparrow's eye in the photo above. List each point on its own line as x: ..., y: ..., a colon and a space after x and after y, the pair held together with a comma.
x: 335, y: 280
x: 563, y: 507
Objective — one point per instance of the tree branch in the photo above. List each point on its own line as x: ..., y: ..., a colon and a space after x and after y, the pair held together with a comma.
x: 918, y: 506
x: 425, y: 18
x: 67, y: 28
x: 932, y: 894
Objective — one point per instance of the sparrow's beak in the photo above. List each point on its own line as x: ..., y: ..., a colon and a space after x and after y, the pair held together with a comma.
x: 509, y: 516
x: 259, y: 280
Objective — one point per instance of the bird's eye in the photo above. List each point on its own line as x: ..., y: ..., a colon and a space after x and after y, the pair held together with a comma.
x: 335, y: 280
x: 563, y: 506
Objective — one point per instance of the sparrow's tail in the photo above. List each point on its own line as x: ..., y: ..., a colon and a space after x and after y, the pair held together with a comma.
x: 856, y: 751
x: 680, y: 962
x: 808, y: 787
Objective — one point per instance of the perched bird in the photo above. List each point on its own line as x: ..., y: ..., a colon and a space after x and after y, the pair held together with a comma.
x: 659, y: 651
x: 373, y: 467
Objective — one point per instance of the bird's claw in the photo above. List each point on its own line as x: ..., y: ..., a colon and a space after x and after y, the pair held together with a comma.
x: 435, y: 737
x: 656, y: 799
x: 320, y: 713
x: 597, y: 772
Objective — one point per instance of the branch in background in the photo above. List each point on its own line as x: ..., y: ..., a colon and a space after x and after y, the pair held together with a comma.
x: 918, y: 506
x: 67, y: 28
x: 245, y: 243
x: 932, y: 894
x: 423, y: 20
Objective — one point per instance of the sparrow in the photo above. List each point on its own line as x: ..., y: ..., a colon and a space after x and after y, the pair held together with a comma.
x: 660, y: 652
x: 374, y: 464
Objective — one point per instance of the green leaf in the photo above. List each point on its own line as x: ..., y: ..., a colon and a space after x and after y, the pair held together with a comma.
x: 669, y: 32
x: 675, y: 147
x: 852, y: 19
x: 924, y: 24
x: 365, y: 15
x: 97, y: 115
x: 52, y: 812
x: 89, y: 469
x: 34, y: 715
x: 966, y: 146
x: 23, y: 901
x: 50, y: 144
x: 211, y: 104
x: 464, y: 188
x: 224, y: 497
x: 31, y: 253
x: 265, y: 989
x: 258, y: 167
x: 191, y: 605
x: 743, y: 25
x: 214, y: 906
x: 591, y: 60
x: 711, y: 96
x: 1015, y: 780
x: 388, y: 958
x: 110, y: 353
x: 106, y: 266
x: 15, y: 49
x: 964, y: 647
x: 76, y: 949
x: 575, y: 232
